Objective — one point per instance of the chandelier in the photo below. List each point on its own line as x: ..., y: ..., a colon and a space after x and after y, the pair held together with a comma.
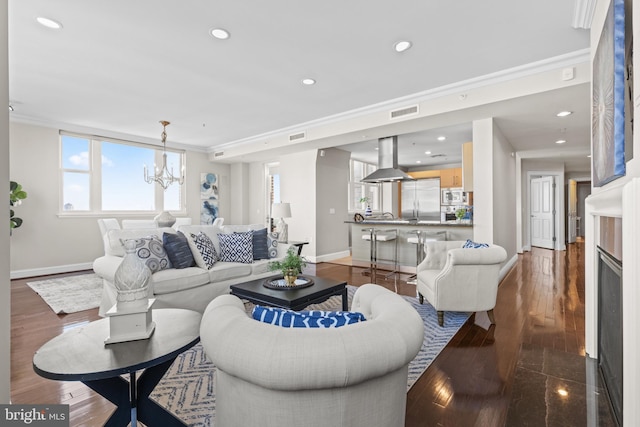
x: 163, y: 176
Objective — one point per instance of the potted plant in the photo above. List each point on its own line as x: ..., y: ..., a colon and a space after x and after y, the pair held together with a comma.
x: 291, y: 265
x: 16, y: 195
x: 460, y: 213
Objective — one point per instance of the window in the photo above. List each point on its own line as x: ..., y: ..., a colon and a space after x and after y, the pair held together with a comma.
x: 358, y: 190
x: 101, y: 175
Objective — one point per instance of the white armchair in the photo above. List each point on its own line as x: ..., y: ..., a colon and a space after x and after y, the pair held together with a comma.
x: 455, y: 279
x: 355, y: 375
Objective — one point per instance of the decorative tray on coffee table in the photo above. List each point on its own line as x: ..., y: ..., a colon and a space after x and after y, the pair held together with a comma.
x: 281, y: 284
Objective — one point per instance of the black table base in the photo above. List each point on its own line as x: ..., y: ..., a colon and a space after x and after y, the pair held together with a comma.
x: 139, y: 406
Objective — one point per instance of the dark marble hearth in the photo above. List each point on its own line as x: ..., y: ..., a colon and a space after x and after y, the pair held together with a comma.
x: 552, y: 388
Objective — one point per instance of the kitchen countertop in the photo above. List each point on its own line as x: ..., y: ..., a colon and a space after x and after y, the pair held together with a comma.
x: 400, y: 221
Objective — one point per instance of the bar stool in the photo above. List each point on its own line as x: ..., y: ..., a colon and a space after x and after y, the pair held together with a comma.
x: 419, y: 240
x: 374, y: 236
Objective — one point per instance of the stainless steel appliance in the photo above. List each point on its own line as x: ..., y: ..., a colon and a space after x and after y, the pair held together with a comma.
x: 448, y: 213
x: 453, y: 196
x: 421, y: 199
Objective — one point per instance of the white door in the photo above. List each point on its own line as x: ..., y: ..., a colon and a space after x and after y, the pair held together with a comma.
x: 543, y: 212
x: 572, y: 218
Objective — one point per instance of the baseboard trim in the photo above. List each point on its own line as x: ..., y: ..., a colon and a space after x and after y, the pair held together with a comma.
x: 327, y: 257
x: 34, y: 272
x: 507, y: 267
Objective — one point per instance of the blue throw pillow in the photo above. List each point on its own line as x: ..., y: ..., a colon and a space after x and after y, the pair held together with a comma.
x: 272, y: 243
x: 306, y: 319
x: 470, y: 244
x: 260, y: 244
x: 236, y: 247
x: 178, y: 250
x: 150, y: 251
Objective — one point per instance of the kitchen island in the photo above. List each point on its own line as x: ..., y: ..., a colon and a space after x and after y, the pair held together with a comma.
x: 407, y: 252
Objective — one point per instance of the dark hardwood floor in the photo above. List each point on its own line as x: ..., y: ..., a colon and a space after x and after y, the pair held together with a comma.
x: 529, y: 369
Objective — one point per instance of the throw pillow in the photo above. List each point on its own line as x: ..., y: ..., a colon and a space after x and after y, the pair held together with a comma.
x: 470, y: 244
x: 177, y: 248
x: 236, y: 247
x: 306, y: 319
x: 260, y: 244
x: 205, y: 253
x: 150, y: 251
x: 272, y: 244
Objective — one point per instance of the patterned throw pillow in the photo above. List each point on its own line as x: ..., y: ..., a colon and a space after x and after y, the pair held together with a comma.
x: 150, y: 250
x: 206, y: 250
x: 272, y: 244
x: 306, y: 319
x: 177, y: 248
x: 470, y: 244
x: 236, y: 247
x: 260, y: 244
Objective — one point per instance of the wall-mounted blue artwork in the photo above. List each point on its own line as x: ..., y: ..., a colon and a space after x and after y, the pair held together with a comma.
x: 608, y: 125
x: 208, y: 198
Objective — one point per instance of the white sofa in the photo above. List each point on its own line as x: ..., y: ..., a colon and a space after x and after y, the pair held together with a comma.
x: 192, y: 287
x: 354, y: 375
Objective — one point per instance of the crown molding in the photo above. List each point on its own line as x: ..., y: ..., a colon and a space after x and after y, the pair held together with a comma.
x: 556, y: 62
x: 583, y: 13
x: 101, y: 133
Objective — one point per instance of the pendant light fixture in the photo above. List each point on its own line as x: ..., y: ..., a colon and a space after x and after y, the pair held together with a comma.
x: 163, y: 176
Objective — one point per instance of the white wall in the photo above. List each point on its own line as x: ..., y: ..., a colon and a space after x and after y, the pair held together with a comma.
x: 494, y: 195
x: 332, y: 176
x: 47, y: 243
x: 5, y: 287
x: 504, y: 193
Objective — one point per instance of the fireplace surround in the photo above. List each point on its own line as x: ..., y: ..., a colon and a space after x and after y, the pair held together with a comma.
x: 620, y: 200
x: 610, y: 328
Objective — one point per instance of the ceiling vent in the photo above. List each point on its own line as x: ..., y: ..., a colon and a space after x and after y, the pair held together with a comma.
x: 297, y: 136
x: 402, y: 112
x: 218, y: 154
x: 438, y: 155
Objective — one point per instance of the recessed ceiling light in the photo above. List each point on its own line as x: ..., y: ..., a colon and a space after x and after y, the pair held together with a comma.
x: 427, y: 152
x: 560, y: 141
x: 308, y: 82
x: 418, y: 161
x: 563, y: 392
x: 219, y: 33
x: 589, y: 155
x: 442, y: 138
x: 401, y: 46
x: 49, y: 23
x: 564, y: 113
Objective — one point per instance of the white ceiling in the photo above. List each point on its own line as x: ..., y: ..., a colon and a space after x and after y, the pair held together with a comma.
x: 118, y: 67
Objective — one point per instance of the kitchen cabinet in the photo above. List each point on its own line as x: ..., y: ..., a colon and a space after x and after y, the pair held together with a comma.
x: 424, y: 174
x: 451, y: 178
x: 467, y: 166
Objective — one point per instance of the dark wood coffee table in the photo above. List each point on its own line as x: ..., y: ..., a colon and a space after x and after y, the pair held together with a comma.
x: 292, y: 299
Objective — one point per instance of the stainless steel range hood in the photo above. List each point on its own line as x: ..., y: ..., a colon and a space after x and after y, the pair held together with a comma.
x: 387, y: 163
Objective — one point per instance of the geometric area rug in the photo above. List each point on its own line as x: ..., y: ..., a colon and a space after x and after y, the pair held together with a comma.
x: 71, y: 293
x: 188, y: 388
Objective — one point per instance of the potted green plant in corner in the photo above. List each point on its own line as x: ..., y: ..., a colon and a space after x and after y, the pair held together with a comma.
x: 290, y: 266
x: 16, y: 196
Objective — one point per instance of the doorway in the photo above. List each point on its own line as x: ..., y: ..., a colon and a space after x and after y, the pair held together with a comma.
x: 583, y: 191
x: 543, y: 212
